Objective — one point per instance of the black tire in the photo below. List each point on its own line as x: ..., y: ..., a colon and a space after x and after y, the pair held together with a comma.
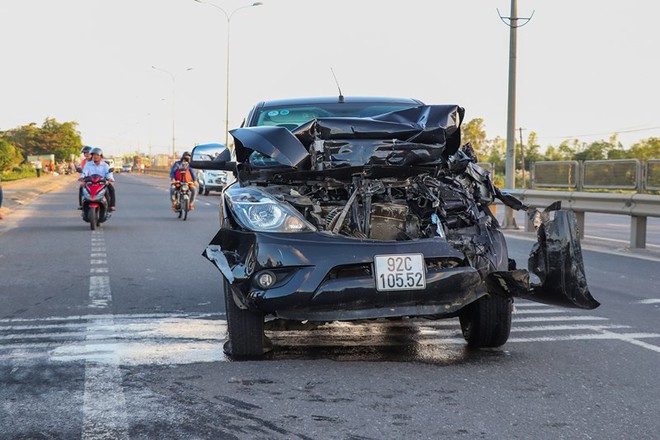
x: 245, y: 329
x: 93, y: 216
x: 487, y: 321
x: 206, y: 192
x: 185, y: 207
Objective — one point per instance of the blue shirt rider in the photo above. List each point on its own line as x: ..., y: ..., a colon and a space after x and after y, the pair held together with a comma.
x: 181, y: 172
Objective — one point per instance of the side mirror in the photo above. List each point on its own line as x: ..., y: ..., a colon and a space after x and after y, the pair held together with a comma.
x: 212, y: 157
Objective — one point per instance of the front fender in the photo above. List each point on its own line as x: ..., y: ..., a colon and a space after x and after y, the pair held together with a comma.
x: 556, y: 259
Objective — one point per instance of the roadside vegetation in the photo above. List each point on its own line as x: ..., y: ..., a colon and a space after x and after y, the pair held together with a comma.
x: 61, y: 139
x: 494, y: 150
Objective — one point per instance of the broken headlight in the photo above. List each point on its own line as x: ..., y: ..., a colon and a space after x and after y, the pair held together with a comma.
x: 256, y: 210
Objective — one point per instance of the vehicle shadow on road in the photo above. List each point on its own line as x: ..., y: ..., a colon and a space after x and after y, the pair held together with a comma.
x: 438, y: 343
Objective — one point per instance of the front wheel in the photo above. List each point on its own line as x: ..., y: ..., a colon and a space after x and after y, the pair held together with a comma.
x: 185, y: 207
x: 93, y: 216
x: 245, y: 329
x: 487, y: 321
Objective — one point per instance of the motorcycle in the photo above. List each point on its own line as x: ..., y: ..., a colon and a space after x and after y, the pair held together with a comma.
x: 182, y: 196
x: 95, y: 209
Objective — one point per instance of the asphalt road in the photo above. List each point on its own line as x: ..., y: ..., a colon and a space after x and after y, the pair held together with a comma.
x: 118, y: 334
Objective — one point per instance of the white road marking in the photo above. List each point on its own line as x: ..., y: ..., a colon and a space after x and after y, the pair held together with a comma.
x: 117, y: 317
x: 67, y: 336
x: 649, y: 301
x: 632, y: 339
x: 535, y: 311
x: 551, y: 328
x: 629, y: 337
x: 559, y: 318
x: 99, y: 292
x: 128, y: 340
x: 529, y: 304
x: 104, y: 404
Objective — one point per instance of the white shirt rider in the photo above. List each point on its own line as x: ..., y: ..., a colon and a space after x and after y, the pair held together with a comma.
x: 101, y: 168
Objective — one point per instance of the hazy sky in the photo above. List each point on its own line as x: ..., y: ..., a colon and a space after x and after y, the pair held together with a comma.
x: 586, y: 68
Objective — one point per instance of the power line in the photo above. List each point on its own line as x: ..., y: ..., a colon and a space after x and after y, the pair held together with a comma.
x: 630, y: 130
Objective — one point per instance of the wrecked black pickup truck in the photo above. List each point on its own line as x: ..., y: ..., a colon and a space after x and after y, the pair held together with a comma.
x: 347, y: 218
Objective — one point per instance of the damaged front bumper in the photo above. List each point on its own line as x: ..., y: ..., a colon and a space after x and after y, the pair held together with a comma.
x: 324, y: 277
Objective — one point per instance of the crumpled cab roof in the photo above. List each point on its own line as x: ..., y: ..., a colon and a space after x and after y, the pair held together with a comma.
x: 418, y: 135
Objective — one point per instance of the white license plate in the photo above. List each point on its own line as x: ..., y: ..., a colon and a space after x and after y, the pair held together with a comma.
x: 400, y: 272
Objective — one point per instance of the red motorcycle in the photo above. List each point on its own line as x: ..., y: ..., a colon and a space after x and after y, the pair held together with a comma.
x: 95, y: 208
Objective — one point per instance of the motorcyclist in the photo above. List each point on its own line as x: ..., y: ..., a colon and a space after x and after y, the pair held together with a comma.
x: 98, y: 166
x: 88, y: 157
x: 181, y: 172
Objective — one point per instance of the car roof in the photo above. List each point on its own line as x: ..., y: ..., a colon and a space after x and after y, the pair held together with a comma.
x: 337, y: 99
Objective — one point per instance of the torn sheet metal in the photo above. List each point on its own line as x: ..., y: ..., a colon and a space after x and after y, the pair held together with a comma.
x: 556, y: 259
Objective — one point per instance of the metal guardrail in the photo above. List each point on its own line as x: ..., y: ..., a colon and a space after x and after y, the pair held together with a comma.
x: 611, y: 174
x: 555, y: 174
x: 157, y: 170
x: 614, y: 174
x: 652, y: 174
x: 638, y: 206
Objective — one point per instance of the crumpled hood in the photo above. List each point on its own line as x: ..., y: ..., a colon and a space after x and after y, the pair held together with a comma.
x: 415, y: 136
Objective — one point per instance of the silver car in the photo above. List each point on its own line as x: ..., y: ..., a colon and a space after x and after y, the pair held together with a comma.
x: 213, y: 180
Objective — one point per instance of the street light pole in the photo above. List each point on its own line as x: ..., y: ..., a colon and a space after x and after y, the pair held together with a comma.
x: 228, y: 17
x: 173, y: 78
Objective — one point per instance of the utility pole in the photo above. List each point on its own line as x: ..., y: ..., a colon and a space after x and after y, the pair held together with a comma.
x: 510, y: 169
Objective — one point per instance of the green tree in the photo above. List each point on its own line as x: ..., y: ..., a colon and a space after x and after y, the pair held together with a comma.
x: 599, y: 150
x: 568, y: 149
x: 496, y: 150
x: 532, y: 150
x: 645, y: 149
x: 26, y: 138
x: 475, y: 133
x: 9, y: 155
x: 60, y: 139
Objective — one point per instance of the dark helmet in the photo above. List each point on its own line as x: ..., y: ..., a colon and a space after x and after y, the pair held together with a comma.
x: 185, y: 156
x: 85, y: 149
x: 97, y: 150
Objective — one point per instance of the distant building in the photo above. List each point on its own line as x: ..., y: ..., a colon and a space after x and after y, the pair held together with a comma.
x: 161, y: 160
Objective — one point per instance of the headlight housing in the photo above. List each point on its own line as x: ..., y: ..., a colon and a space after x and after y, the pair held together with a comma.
x: 256, y: 210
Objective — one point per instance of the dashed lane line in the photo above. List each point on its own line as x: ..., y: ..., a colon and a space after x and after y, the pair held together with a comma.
x: 104, y: 404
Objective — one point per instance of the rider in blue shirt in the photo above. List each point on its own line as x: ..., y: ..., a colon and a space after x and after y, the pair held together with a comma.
x: 182, y: 172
